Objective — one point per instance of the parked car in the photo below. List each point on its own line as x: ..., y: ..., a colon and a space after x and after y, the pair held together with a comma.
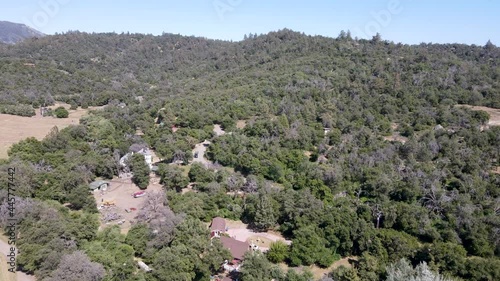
x: 139, y: 194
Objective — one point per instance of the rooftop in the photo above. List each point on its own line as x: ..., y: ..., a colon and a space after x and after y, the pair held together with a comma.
x: 237, y: 248
x: 97, y: 184
x: 218, y: 223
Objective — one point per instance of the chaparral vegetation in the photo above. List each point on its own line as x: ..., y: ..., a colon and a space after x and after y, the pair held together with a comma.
x: 342, y: 147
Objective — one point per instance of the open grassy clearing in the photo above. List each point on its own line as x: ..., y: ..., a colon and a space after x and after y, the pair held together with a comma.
x: 16, y: 128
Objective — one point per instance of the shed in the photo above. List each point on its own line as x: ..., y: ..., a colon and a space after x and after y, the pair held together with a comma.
x: 217, y: 226
x: 99, y: 185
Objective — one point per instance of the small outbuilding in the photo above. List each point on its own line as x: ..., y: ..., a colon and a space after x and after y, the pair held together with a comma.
x: 99, y: 185
x: 217, y: 227
x: 144, y: 266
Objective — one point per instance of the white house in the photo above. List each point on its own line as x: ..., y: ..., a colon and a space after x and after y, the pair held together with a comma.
x: 144, y: 151
x: 147, y: 156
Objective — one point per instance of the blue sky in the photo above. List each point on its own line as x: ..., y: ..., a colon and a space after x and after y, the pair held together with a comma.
x: 407, y: 21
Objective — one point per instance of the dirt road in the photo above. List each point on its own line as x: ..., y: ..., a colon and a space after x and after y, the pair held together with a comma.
x: 4, y: 251
x: 493, y: 112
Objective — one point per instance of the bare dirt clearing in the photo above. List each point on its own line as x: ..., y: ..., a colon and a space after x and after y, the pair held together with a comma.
x: 218, y: 130
x: 496, y: 170
x: 241, y: 232
x: 263, y: 242
x: 241, y: 124
x: 120, y: 192
x: 16, y: 128
x: 396, y: 136
x: 199, y: 154
x: 493, y: 112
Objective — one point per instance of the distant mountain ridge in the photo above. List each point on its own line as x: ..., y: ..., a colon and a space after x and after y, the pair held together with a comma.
x: 11, y: 33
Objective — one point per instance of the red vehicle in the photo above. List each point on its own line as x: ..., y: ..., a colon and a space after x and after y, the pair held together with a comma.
x: 139, y: 194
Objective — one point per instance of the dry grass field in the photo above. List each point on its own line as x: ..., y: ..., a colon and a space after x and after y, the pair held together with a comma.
x: 16, y: 128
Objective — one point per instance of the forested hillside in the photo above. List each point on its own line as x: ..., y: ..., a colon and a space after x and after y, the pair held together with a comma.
x: 350, y: 148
